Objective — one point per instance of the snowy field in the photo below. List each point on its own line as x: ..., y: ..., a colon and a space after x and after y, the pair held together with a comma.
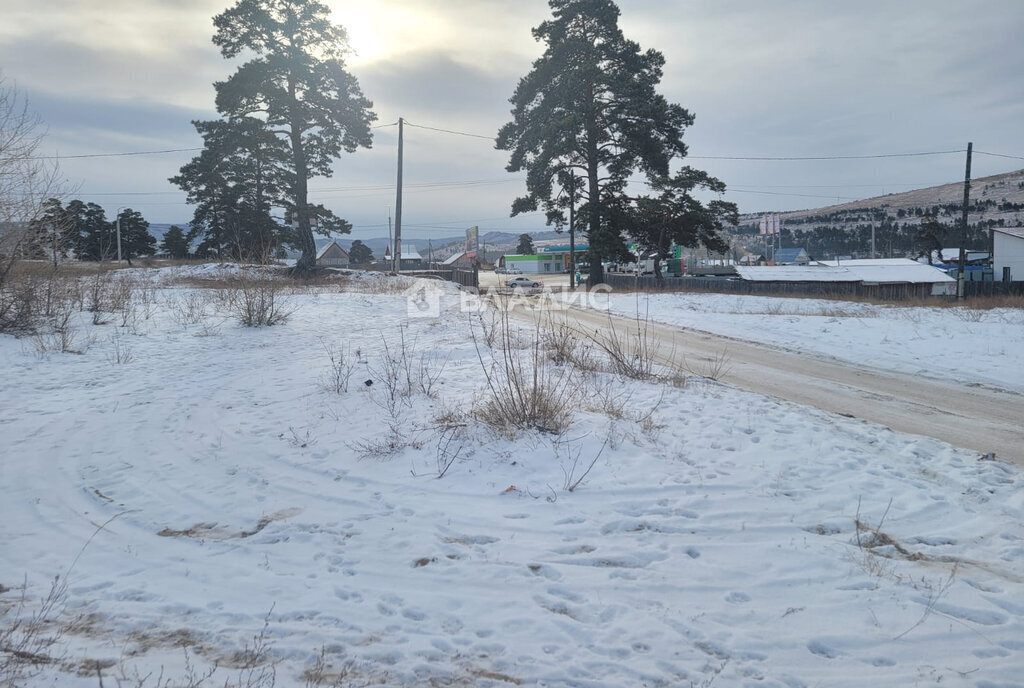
x: 952, y: 343
x: 217, y: 502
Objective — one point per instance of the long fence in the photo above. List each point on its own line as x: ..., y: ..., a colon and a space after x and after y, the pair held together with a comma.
x: 887, y: 292
x: 467, y: 277
x: 993, y: 288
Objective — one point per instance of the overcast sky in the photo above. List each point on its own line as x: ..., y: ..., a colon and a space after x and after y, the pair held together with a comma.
x: 764, y: 79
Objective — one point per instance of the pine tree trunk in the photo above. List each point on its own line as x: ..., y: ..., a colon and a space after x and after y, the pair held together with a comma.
x: 594, y: 191
x: 307, y: 261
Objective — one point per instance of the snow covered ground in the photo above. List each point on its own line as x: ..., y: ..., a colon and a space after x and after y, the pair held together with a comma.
x: 951, y: 343
x: 198, y: 483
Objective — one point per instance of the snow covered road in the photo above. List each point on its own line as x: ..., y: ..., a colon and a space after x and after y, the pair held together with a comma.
x: 970, y: 415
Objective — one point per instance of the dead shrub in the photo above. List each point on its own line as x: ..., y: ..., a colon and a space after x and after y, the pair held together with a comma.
x: 59, y: 334
x: 30, y: 633
x: 630, y: 352
x: 569, y: 458
x: 714, y: 367
x: 566, y: 346
x: 343, y: 364
x: 258, y: 302
x: 18, y: 305
x: 524, y: 392
x: 191, y: 307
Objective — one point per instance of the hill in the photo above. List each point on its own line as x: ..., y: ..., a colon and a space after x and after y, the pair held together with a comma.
x: 845, y: 229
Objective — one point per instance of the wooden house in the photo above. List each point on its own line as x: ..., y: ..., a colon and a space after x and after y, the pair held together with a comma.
x: 332, y: 256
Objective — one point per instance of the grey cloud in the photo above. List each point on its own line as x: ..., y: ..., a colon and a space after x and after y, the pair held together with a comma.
x: 74, y: 69
x: 796, y: 77
x: 436, y: 85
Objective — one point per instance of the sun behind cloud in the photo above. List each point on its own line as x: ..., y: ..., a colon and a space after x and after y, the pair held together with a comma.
x: 380, y: 30
x: 366, y: 35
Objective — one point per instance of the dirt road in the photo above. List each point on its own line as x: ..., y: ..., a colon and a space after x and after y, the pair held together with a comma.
x: 974, y: 417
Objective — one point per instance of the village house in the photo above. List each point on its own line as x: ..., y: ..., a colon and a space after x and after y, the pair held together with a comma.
x: 1008, y: 254
x: 332, y: 256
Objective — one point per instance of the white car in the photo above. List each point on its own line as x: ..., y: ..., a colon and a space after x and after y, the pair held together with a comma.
x: 522, y: 283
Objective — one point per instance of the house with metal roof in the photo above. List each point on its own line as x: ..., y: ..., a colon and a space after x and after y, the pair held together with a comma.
x: 1008, y: 253
x: 332, y: 255
x: 866, y: 273
x: 791, y: 256
x: 411, y: 258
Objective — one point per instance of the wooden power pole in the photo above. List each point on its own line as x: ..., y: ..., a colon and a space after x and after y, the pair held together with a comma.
x: 397, y: 257
x: 963, y: 228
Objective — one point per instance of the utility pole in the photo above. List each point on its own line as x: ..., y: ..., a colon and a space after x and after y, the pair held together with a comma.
x: 398, y: 204
x: 391, y: 245
x: 119, y: 234
x: 963, y: 229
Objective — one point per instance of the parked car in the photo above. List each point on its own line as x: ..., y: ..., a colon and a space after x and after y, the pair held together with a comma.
x: 522, y: 283
x: 500, y: 271
x: 514, y: 271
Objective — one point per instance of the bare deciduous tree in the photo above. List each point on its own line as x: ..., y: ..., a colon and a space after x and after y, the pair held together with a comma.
x: 26, y: 179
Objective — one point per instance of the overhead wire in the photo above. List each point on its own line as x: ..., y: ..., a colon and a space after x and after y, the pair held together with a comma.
x: 999, y: 155
x: 449, y: 131
x: 116, y: 155
x: 823, y: 157
x: 471, y: 183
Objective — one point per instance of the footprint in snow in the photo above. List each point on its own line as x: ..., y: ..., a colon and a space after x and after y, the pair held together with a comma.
x: 413, y: 614
x: 545, y: 571
x: 822, y: 649
x: 565, y: 593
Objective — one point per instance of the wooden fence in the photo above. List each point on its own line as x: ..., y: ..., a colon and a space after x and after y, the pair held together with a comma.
x: 993, y: 288
x: 886, y: 292
x: 467, y: 277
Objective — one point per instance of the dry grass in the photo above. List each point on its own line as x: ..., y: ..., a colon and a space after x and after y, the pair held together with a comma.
x: 524, y: 391
x: 631, y: 352
x: 257, y: 302
x: 29, y: 636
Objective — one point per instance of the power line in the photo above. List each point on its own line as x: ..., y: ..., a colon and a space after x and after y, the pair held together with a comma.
x: 778, y: 158
x: 779, y: 193
x: 999, y: 155
x: 449, y: 131
x: 151, y: 152
x: 117, y: 155
x: 836, y: 186
x: 823, y: 157
x: 132, y: 193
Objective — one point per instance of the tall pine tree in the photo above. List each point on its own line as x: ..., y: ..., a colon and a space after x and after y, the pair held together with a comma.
x: 135, y: 237
x: 675, y: 217
x: 235, y: 182
x: 174, y: 243
x: 297, y: 84
x: 93, y: 236
x: 359, y: 253
x: 590, y: 105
